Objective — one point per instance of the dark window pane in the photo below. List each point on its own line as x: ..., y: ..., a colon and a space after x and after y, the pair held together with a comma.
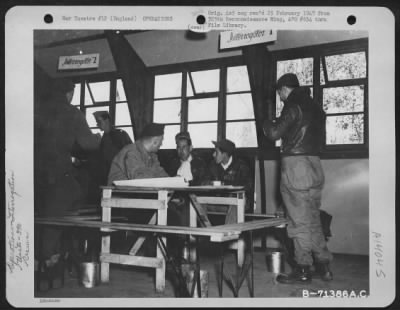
x: 120, y: 94
x: 239, y: 106
x: 203, y: 110
x: 76, y: 99
x: 168, y: 85
x: 167, y: 111
x: 345, y: 129
x: 243, y: 134
x: 122, y: 116
x: 343, y: 99
x: 169, y: 136
x: 100, y: 91
x: 346, y: 66
x: 237, y: 79
x: 203, y: 134
x: 89, y: 115
x: 302, y: 67
x: 204, y: 81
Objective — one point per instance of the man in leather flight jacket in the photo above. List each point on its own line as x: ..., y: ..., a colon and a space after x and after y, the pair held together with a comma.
x: 301, y: 128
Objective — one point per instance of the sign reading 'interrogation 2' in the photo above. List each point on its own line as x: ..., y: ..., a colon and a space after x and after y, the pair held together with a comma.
x: 77, y: 62
x: 229, y: 39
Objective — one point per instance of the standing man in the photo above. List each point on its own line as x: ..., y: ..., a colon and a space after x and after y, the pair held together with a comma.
x: 301, y: 128
x: 139, y: 160
x: 112, y: 142
x: 58, y: 127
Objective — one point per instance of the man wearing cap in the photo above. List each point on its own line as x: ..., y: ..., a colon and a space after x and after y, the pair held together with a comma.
x: 139, y: 160
x: 301, y: 128
x: 58, y: 126
x: 231, y: 170
x: 112, y: 142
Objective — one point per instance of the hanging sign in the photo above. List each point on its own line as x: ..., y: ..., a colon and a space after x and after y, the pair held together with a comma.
x: 229, y: 39
x: 77, y: 62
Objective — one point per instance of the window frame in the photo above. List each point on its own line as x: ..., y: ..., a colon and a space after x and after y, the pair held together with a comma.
x: 185, y: 68
x: 318, y: 53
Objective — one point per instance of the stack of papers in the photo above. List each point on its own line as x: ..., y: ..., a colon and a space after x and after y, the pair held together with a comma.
x: 154, y: 182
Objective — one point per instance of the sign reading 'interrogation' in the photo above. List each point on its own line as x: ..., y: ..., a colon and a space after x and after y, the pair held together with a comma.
x: 77, y: 62
x: 229, y: 39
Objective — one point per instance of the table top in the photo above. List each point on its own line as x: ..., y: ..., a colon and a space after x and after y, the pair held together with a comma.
x: 190, y: 189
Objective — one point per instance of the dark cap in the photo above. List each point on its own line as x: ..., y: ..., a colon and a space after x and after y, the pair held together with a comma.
x: 63, y: 86
x: 182, y: 135
x: 288, y: 79
x: 102, y: 114
x: 153, y: 130
x: 225, y: 145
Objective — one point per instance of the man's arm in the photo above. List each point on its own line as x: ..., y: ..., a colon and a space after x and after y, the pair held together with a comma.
x: 84, y: 136
x: 275, y: 130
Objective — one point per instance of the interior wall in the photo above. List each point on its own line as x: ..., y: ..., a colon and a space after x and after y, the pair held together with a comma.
x: 345, y: 196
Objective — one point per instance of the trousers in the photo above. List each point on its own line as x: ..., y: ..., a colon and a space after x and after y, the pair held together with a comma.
x: 302, y: 181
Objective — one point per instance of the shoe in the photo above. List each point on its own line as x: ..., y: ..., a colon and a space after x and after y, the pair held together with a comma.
x: 324, y: 271
x: 300, y: 274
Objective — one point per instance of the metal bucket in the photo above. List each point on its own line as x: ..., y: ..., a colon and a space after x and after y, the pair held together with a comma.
x: 89, y: 274
x: 275, y: 262
x: 188, y: 273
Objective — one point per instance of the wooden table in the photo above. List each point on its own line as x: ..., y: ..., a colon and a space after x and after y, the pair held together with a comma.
x: 157, y: 199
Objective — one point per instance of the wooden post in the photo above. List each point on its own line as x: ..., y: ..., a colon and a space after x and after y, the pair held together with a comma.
x: 241, y: 202
x: 105, y: 240
x: 192, y: 223
x: 161, y: 220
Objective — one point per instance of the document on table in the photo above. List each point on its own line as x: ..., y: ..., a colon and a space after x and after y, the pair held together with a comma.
x: 154, y: 182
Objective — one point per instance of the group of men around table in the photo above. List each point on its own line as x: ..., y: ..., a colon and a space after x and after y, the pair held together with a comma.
x: 299, y: 126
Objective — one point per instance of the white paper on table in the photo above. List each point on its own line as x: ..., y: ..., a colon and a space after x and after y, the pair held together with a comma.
x: 154, y: 182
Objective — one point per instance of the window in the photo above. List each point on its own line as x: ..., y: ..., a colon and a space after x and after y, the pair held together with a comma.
x: 98, y: 96
x: 340, y: 88
x: 210, y: 103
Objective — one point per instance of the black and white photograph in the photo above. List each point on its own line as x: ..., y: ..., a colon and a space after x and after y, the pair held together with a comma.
x: 206, y: 156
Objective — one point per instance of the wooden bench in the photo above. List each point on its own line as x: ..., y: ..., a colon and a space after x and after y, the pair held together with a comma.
x: 219, y: 234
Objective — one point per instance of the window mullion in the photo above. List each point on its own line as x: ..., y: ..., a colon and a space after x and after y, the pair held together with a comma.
x: 184, y: 102
x: 221, y: 131
x: 113, y: 92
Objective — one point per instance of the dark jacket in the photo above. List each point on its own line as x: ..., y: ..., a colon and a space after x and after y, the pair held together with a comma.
x: 301, y: 125
x: 198, y: 168
x: 238, y: 173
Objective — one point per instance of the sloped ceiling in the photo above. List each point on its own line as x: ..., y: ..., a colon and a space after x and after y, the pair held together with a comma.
x: 160, y: 47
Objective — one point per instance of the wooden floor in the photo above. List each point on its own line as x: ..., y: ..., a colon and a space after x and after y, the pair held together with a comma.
x: 351, y: 273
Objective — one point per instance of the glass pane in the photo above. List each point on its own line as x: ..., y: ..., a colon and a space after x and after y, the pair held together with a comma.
x: 120, y: 94
x: 345, y: 129
x: 167, y: 111
x: 89, y: 115
x: 170, y: 132
x: 302, y: 67
x: 100, y: 91
x: 189, y: 87
x: 243, y: 134
x: 237, y: 79
x: 203, y: 109
x: 321, y: 74
x: 168, y: 85
x: 203, y: 134
x: 343, y: 99
x: 76, y: 99
x: 279, y: 103
x: 346, y: 66
x: 239, y: 106
x: 122, y: 116
x: 129, y: 131
x: 205, y: 81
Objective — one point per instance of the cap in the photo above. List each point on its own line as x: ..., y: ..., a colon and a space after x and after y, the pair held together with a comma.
x: 182, y: 135
x: 102, y: 114
x: 288, y: 79
x: 153, y: 130
x: 63, y: 85
x: 225, y: 145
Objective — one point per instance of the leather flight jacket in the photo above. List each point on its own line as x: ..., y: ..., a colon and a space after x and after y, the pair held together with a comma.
x: 300, y: 126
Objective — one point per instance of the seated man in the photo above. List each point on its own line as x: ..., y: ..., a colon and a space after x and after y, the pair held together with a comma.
x: 231, y: 170
x: 139, y: 160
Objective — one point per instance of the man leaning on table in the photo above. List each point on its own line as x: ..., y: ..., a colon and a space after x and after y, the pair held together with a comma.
x: 139, y: 160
